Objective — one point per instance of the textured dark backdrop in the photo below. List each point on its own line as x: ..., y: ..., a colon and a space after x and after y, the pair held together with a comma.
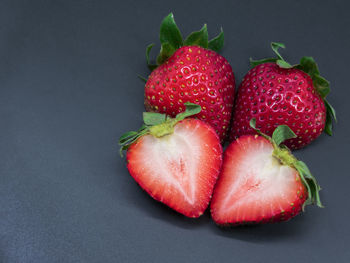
x: 68, y: 89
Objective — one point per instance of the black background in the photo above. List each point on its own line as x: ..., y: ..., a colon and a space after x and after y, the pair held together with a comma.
x: 69, y: 89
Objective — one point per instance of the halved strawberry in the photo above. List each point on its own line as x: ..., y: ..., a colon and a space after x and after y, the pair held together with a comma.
x: 262, y: 182
x: 176, y: 161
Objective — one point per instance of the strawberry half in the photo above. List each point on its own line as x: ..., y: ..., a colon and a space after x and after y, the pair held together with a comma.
x: 175, y: 160
x: 275, y: 93
x: 261, y: 181
x: 191, y: 70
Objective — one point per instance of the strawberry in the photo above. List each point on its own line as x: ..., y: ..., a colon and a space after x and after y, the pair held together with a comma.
x: 175, y: 160
x: 275, y: 92
x: 261, y: 181
x: 191, y: 70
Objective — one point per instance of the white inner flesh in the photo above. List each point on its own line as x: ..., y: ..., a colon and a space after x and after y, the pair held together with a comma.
x: 175, y: 159
x: 262, y: 177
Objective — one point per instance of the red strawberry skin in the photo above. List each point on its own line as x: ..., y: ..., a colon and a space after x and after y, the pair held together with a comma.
x: 253, y: 187
x: 198, y: 75
x: 179, y: 170
x: 276, y: 96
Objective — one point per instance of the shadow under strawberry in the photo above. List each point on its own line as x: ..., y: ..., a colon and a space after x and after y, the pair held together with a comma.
x: 133, y: 197
x: 145, y: 203
x: 265, y: 233
x: 295, y: 230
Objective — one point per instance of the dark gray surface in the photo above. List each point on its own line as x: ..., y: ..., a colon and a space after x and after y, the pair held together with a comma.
x: 68, y: 89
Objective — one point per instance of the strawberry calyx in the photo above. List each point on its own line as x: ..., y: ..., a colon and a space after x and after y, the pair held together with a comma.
x: 157, y: 125
x: 279, y: 60
x: 284, y: 156
x: 171, y: 40
x: 309, y: 66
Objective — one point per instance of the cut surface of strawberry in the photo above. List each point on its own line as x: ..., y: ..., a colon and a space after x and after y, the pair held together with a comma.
x: 180, y: 169
x: 254, y: 186
x: 260, y: 183
x: 177, y: 162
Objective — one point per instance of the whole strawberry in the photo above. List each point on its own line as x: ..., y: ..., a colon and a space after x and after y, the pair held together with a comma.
x: 275, y: 93
x: 190, y: 70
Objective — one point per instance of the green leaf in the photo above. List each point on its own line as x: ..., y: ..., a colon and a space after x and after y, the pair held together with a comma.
x: 279, y: 60
x: 127, y: 144
x: 321, y: 85
x: 128, y: 138
x: 252, y: 123
x: 171, y: 40
x: 152, y: 67
x: 166, y: 51
x: 148, y: 50
x: 156, y: 124
x: 309, y: 66
x: 275, y: 46
x: 282, y: 133
x: 217, y: 43
x: 331, y: 110
x: 283, y: 64
x: 191, y: 109
x: 331, y: 115
x: 198, y: 38
x: 142, y: 78
x: 328, y: 128
x: 310, y: 183
x: 170, y: 33
x: 153, y: 118
x: 254, y: 63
